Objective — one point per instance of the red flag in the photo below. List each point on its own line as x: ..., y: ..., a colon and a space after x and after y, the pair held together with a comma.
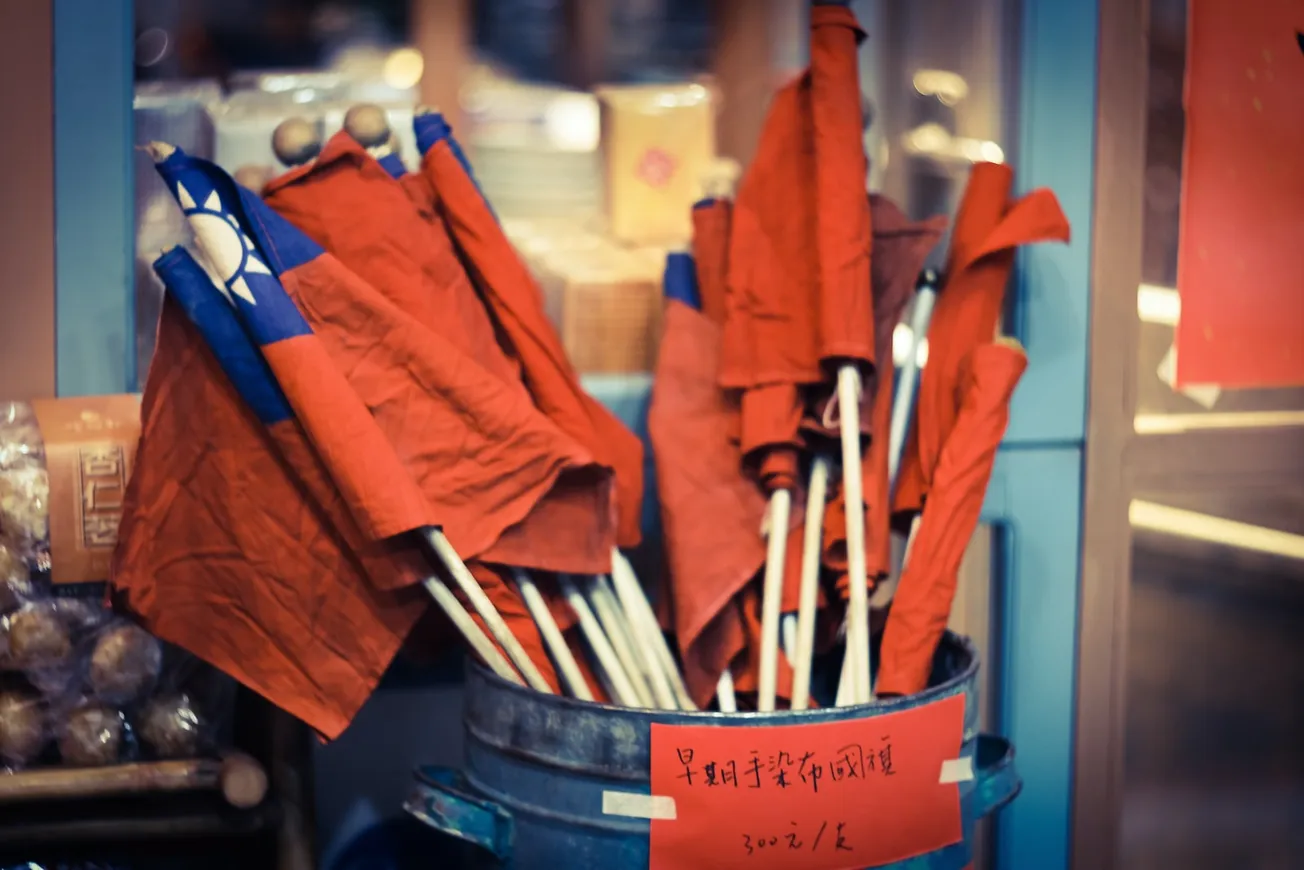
x: 900, y: 248
x: 711, y: 512
x: 922, y: 604
x: 398, y: 416
x: 226, y: 550
x: 347, y: 202
x: 988, y: 230
x: 516, y: 304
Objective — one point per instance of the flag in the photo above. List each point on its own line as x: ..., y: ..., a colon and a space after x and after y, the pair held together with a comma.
x: 516, y: 305
x: 921, y: 606
x: 988, y: 230
x: 234, y: 544
x: 413, y: 433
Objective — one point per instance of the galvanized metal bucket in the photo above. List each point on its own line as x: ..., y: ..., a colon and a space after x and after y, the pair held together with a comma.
x: 531, y: 789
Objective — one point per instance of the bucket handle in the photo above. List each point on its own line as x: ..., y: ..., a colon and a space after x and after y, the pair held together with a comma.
x: 998, y: 782
x: 440, y: 799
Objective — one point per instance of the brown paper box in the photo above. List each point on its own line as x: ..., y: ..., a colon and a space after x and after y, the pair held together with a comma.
x: 656, y: 142
x: 90, y: 448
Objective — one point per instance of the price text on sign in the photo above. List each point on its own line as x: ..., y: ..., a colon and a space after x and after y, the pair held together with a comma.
x: 820, y: 796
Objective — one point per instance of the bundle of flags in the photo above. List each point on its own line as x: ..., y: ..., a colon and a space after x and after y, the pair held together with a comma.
x: 774, y: 402
x: 357, y: 408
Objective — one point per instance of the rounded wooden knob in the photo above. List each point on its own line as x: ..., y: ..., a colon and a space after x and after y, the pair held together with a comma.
x: 296, y: 141
x: 720, y: 179
x: 243, y: 780
x: 253, y: 176
x: 368, y: 125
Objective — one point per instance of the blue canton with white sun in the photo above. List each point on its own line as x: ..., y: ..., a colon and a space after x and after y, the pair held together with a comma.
x: 235, y: 231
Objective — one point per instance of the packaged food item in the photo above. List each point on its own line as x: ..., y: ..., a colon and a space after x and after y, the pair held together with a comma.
x: 20, y: 437
x: 656, y: 141
x: 15, y: 580
x: 79, y: 684
x: 124, y: 664
x: 91, y: 735
x: 24, y: 727
x: 172, y: 726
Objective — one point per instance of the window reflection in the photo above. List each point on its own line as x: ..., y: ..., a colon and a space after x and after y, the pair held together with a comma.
x: 1160, y: 408
x: 1214, y: 769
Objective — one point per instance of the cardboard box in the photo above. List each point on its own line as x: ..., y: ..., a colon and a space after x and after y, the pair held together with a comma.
x: 90, y: 449
x: 610, y: 318
x: 656, y: 142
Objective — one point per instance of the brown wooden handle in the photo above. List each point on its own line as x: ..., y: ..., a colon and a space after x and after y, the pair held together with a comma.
x: 243, y: 781
x: 155, y: 776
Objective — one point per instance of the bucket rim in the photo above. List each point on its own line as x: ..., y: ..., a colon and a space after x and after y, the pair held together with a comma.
x: 956, y: 683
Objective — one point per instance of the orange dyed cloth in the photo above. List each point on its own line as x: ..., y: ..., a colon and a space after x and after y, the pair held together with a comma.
x: 515, y: 302
x: 922, y: 604
x: 235, y: 546
x: 372, y: 224
x: 900, y: 248
x: 988, y: 230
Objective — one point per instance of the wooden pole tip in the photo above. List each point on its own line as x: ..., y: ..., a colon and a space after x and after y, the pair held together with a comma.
x: 160, y: 151
x: 296, y: 141
x: 367, y: 124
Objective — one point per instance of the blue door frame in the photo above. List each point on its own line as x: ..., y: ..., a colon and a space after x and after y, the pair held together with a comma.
x: 1036, y: 493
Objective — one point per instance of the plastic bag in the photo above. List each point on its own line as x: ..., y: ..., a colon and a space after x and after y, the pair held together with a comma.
x: 24, y: 725
x: 79, y: 685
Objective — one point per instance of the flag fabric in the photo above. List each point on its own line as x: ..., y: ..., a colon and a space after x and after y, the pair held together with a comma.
x: 381, y: 232
x: 900, y: 247
x: 375, y: 228
x: 843, y: 223
x: 711, y: 512
x: 413, y: 433
x: 769, y: 346
x: 392, y: 164
x: 515, y: 302
x: 234, y: 544
x: 921, y: 606
x: 988, y: 230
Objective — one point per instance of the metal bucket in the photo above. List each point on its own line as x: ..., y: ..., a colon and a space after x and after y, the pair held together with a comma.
x: 536, y: 767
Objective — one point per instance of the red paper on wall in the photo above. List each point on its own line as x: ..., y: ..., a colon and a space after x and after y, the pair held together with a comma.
x: 820, y: 796
x: 1238, y: 271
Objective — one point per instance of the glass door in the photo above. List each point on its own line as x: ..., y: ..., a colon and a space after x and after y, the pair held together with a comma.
x: 1191, y: 675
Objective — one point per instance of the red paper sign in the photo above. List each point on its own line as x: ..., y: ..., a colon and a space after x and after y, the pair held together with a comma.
x: 1242, y: 226
x: 822, y: 796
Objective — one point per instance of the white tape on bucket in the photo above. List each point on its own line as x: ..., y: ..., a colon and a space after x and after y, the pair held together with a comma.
x: 956, y: 770
x: 638, y: 806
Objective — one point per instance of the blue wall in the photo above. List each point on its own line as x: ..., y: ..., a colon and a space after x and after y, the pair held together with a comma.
x: 94, y: 200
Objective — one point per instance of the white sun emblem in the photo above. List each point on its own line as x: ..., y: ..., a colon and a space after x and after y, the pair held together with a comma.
x: 227, y: 248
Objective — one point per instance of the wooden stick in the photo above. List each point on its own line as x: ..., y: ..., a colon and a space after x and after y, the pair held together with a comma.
x: 471, y: 633
x: 470, y: 587
x: 240, y: 778
x: 609, y: 668
x: 772, y: 597
x: 628, y: 601
x: 634, y: 599
x: 812, y: 548
x: 658, y: 682
x: 845, y: 684
x: 724, y: 693
x: 604, y: 607
x: 61, y: 783
x: 858, y: 656
x: 788, y: 636
x: 567, y: 667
